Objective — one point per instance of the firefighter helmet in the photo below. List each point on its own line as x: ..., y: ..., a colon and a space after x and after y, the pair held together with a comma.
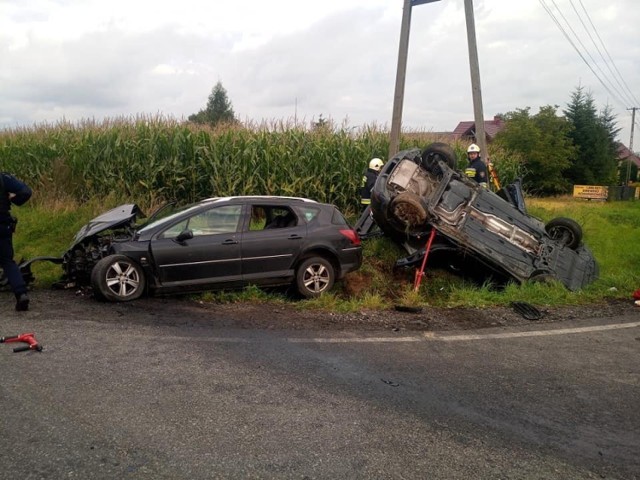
x: 473, y: 148
x: 376, y: 164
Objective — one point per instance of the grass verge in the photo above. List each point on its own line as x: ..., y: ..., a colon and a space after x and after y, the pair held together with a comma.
x: 611, y: 231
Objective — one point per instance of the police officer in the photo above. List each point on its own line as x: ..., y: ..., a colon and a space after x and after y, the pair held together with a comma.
x: 13, y: 191
x: 368, y: 181
x: 477, y: 169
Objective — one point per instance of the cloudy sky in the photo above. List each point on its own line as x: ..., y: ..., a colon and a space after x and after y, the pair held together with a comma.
x: 286, y: 59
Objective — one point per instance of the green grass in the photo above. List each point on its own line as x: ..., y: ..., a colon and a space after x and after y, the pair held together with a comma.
x: 611, y: 231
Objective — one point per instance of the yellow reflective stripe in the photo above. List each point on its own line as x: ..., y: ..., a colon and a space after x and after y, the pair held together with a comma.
x: 471, y: 172
x: 365, y: 201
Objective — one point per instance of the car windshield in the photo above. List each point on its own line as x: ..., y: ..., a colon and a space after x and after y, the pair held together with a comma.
x: 168, y: 218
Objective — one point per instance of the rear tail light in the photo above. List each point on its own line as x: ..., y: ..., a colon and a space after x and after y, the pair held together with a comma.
x: 352, y: 235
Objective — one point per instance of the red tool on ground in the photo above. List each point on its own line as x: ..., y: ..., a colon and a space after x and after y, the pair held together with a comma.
x: 28, y: 338
x: 420, y: 271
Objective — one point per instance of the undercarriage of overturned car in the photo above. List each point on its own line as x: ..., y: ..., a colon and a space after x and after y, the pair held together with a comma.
x: 476, y: 232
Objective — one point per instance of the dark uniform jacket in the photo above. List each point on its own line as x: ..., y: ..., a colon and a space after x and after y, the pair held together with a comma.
x: 477, y: 170
x: 10, y: 184
x: 368, y: 181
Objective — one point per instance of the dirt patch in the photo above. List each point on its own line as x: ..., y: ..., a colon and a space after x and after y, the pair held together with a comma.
x: 181, y: 311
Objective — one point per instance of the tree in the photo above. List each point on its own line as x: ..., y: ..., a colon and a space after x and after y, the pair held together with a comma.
x: 218, y: 110
x: 321, y: 124
x: 543, y: 140
x: 622, y: 172
x: 594, y: 137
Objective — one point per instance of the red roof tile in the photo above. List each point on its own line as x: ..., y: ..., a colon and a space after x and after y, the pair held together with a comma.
x: 467, y: 128
x: 624, y: 153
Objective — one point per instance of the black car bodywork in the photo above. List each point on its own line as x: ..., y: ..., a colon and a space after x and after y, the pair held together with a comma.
x: 477, y: 229
x: 218, y: 243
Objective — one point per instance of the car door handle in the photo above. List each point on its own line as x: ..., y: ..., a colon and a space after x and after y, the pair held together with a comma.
x: 295, y: 237
x: 231, y: 241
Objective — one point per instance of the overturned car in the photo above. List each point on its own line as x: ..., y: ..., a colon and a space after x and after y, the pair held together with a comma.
x: 477, y: 231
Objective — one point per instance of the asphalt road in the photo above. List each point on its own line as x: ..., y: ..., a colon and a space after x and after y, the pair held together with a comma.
x: 114, y: 396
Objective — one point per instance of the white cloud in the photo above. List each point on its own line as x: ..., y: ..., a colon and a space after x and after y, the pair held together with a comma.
x: 93, y: 59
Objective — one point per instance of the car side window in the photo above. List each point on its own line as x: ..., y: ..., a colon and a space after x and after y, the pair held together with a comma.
x: 337, y: 218
x: 258, y: 218
x: 267, y: 217
x: 280, y: 217
x: 214, y: 221
x: 309, y: 213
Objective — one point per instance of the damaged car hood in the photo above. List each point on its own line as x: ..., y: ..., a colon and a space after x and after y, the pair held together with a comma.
x: 114, y: 218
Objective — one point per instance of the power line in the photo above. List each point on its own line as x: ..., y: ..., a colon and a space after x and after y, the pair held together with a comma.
x: 621, y: 98
x: 624, y: 94
x: 616, y: 95
x: 636, y: 102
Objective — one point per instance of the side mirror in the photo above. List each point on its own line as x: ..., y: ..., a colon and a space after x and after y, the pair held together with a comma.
x: 184, y: 235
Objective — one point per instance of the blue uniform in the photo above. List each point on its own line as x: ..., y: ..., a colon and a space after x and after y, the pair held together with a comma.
x: 477, y: 170
x: 12, y: 191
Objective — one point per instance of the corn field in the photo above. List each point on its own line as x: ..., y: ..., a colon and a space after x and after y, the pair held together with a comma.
x: 152, y: 160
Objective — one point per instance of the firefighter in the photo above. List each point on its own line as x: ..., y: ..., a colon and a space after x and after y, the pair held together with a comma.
x: 368, y: 181
x: 476, y: 170
x: 12, y: 191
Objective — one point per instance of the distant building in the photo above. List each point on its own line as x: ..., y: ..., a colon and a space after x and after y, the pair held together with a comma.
x: 625, y: 154
x: 467, y: 130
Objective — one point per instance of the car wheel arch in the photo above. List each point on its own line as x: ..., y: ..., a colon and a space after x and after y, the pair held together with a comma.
x: 325, y: 253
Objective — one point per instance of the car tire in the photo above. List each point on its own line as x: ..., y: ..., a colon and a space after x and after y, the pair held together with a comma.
x: 117, y: 278
x: 566, y: 231
x: 435, y: 152
x: 315, y: 276
x: 543, y: 277
x: 408, y: 209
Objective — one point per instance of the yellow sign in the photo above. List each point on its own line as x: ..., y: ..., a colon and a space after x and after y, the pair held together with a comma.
x: 590, y: 191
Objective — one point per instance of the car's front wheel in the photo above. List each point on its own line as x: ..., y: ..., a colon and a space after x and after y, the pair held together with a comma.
x: 436, y: 152
x: 408, y: 209
x: 117, y: 278
x: 314, y: 276
x: 566, y: 231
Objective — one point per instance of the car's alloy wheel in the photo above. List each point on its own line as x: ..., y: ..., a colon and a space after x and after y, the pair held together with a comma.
x: 314, y: 276
x: 117, y: 278
x: 565, y: 231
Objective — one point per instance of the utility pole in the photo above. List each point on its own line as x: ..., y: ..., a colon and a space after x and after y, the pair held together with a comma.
x: 398, y: 97
x: 633, y: 121
x: 475, y: 79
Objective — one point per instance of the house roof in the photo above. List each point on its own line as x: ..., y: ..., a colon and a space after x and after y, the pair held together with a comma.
x: 624, y: 153
x: 468, y: 128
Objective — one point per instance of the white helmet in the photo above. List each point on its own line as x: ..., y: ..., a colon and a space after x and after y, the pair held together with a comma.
x: 376, y: 164
x: 473, y: 148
